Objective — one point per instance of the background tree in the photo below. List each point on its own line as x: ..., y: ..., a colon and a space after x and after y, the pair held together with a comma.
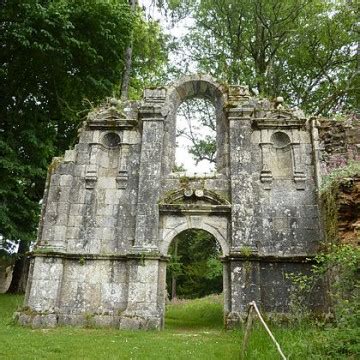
x: 305, y: 50
x: 125, y: 81
x: 195, y: 265
x: 54, y: 56
x: 196, y: 125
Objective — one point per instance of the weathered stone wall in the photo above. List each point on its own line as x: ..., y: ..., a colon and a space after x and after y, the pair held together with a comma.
x: 112, y: 206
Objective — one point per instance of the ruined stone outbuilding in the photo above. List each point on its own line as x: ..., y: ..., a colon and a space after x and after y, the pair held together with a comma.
x: 113, y: 205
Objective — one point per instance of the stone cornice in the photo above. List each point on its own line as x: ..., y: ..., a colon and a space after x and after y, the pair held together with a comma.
x: 303, y: 258
x: 86, y: 256
x: 116, y: 124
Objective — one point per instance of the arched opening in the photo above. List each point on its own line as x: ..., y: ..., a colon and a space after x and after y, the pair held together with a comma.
x: 201, y: 89
x: 195, y: 271
x: 196, y: 136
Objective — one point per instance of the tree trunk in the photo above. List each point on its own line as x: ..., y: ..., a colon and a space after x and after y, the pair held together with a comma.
x: 20, y: 271
x: 128, y: 62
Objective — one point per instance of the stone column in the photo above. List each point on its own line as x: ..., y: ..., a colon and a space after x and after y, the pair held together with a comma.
x: 91, y: 175
x: 122, y: 175
x: 144, y: 310
x: 314, y: 123
x: 226, y: 287
x: 55, y: 213
x: 244, y: 281
x: 298, y: 161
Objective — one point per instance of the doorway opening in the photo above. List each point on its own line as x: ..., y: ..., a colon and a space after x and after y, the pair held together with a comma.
x: 194, y: 281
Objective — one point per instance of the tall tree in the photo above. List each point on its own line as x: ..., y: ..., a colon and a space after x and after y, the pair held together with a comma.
x: 128, y: 61
x: 57, y: 58
x: 305, y: 50
x: 195, y: 265
x: 308, y: 51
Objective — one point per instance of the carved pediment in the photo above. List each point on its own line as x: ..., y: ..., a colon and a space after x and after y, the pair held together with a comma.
x: 193, y: 201
x: 280, y: 118
x: 109, y: 116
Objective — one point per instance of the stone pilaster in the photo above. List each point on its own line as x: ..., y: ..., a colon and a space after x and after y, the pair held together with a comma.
x: 146, y: 298
x: 147, y: 216
x: 242, y: 195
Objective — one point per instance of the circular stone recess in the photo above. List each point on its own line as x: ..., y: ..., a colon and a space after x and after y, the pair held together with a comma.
x: 111, y: 139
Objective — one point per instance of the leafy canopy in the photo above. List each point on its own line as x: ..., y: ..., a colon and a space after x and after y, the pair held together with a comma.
x: 304, y: 50
x: 57, y: 58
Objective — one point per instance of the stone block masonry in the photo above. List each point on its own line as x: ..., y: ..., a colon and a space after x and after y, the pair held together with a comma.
x: 112, y: 207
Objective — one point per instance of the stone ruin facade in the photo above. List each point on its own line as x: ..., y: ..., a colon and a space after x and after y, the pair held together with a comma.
x: 113, y: 205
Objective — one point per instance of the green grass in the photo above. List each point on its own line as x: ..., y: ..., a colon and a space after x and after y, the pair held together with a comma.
x: 194, y: 330
x: 205, y: 313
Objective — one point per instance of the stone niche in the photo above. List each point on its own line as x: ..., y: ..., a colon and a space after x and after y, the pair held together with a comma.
x: 112, y: 207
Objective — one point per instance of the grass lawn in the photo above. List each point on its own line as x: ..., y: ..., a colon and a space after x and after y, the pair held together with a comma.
x: 194, y: 330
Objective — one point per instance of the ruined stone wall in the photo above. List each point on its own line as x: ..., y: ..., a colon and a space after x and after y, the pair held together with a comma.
x: 88, y: 224
x: 112, y: 206
x: 340, y: 146
x: 275, y: 213
x: 339, y: 142
x: 349, y: 211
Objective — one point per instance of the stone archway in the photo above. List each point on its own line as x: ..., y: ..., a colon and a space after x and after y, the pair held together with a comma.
x: 201, y: 86
x: 194, y: 222
x: 219, y: 235
x: 197, y: 209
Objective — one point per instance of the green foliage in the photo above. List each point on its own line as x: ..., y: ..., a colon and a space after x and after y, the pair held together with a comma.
x: 193, y: 330
x: 150, y: 56
x: 339, y: 268
x: 58, y: 59
x: 246, y: 251
x: 341, y: 265
x: 205, y: 341
x: 204, y: 149
x: 305, y: 50
x: 340, y: 174
x: 54, y: 54
x: 196, y: 266
x: 299, y: 296
x: 196, y: 123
